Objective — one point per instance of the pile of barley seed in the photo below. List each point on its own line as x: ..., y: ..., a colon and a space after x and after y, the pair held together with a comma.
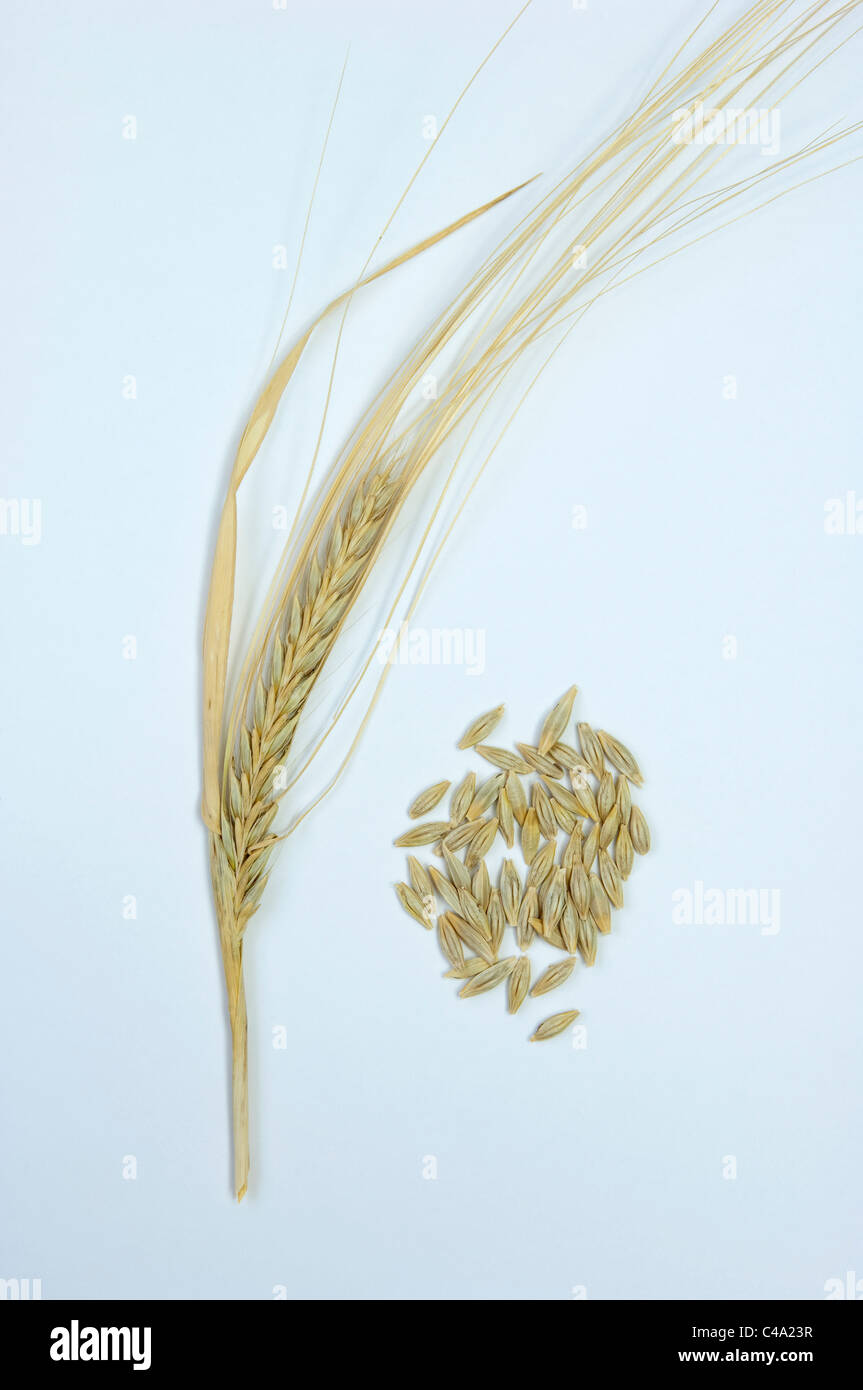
x: 567, y: 904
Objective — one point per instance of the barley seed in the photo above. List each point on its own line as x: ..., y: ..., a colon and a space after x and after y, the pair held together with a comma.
x: 427, y: 800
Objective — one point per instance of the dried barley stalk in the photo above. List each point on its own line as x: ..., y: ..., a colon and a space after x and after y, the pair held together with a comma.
x: 640, y: 184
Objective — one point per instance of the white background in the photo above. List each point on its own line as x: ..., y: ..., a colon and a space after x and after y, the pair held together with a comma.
x: 557, y: 1168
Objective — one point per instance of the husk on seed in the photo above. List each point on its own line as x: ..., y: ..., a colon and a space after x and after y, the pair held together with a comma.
x: 450, y: 943
x: 528, y: 909
x: 552, y: 978
x: 519, y: 982
x: 569, y: 926
x: 482, y: 726
x: 515, y: 793
x: 557, y: 721
x: 539, y: 761
x: 481, y: 886
x: 473, y: 965
x: 623, y: 852
x: 502, y: 758
x: 427, y: 800
x: 530, y: 836
x: 485, y: 796
x: 544, y: 814
x: 473, y: 913
x: 444, y: 888
x: 620, y: 757
x: 505, y: 818
x: 591, y: 749
x: 541, y: 864
x: 462, y: 798
x: 424, y: 834
x: 481, y: 843
x: 488, y: 979
x: 510, y: 891
x: 476, y: 941
x: 496, y: 921
x: 413, y: 904
x: 551, y: 1027
x: 420, y: 880
x: 639, y: 831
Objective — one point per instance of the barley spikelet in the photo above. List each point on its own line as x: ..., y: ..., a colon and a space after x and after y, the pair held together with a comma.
x: 590, y: 848
x: 473, y: 913
x: 572, y: 852
x: 516, y: 797
x: 419, y: 835
x: 552, y: 978
x: 461, y: 798
x: 486, y: 795
x: 541, y: 865
x: 565, y: 755
x: 450, y: 943
x: 623, y: 852
x: 558, y: 1023
x: 591, y: 749
x: 527, y: 911
x: 505, y: 818
x: 510, y: 891
x: 620, y: 757
x: 569, y: 926
x: 481, y: 887
x: 587, y: 940
x: 496, y: 921
x: 557, y: 721
x: 606, y: 795
x: 461, y: 836
x: 538, y: 761
x: 584, y: 799
x: 530, y: 836
x: 553, y: 900
x: 609, y: 827
x: 519, y: 982
x: 481, y: 843
x: 479, y: 730
x: 413, y: 904
x: 579, y: 887
x: 611, y: 880
x: 458, y: 874
x: 600, y: 908
x: 444, y: 889
x: 473, y: 965
x: 639, y: 831
x: 502, y: 758
x: 488, y: 979
x: 420, y: 880
x: 544, y: 814
x: 427, y: 800
x: 475, y: 940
